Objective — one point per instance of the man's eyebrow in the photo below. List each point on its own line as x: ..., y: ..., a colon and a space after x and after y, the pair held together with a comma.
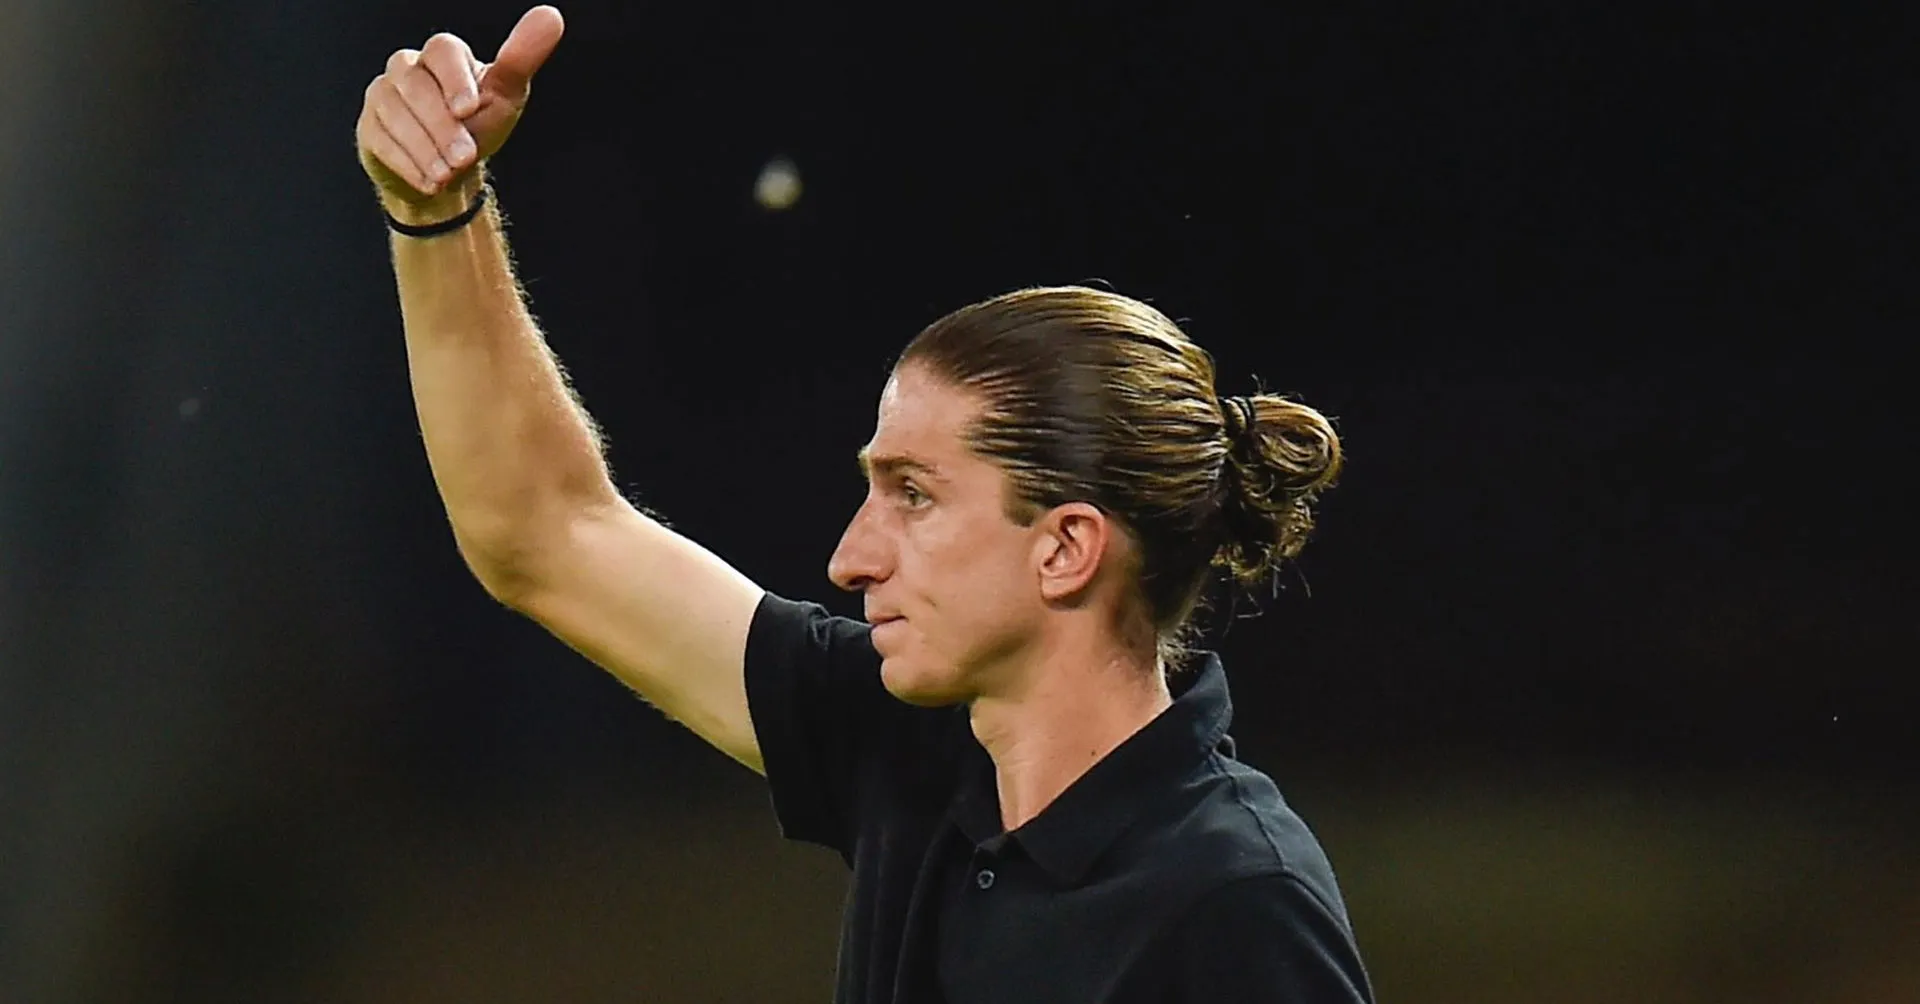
x: 893, y: 463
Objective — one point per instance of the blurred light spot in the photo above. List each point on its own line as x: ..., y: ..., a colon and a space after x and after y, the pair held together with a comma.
x: 779, y: 185
x: 189, y: 408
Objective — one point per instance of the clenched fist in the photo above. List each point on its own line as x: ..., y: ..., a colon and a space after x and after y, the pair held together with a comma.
x: 438, y: 112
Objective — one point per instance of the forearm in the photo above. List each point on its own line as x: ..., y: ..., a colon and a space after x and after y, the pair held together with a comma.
x: 513, y: 453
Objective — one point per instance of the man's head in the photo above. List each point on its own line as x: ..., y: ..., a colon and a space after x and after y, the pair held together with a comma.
x: 1055, y: 464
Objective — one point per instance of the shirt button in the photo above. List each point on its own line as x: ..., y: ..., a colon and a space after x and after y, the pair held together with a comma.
x: 985, y: 879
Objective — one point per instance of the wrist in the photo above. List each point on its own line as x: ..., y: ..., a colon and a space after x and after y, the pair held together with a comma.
x: 425, y: 210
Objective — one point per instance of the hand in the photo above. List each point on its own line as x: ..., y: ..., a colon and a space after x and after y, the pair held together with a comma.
x: 437, y: 112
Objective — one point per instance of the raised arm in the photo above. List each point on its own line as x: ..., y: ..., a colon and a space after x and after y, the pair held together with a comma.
x: 517, y: 460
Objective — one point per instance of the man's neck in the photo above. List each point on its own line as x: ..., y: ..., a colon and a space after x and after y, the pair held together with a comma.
x: 1075, y: 707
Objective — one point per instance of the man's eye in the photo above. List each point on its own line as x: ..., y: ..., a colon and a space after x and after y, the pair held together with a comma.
x: 913, y: 496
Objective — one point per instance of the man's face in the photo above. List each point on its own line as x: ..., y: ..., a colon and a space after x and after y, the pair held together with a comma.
x: 951, y: 584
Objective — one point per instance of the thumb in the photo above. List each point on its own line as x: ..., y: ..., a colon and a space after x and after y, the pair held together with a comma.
x: 526, y: 48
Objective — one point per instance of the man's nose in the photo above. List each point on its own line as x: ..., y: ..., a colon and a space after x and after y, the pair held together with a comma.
x: 860, y: 559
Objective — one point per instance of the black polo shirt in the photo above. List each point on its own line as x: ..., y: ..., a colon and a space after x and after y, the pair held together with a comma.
x: 1169, y: 872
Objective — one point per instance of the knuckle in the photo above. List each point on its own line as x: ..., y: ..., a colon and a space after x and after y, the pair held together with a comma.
x: 386, y: 120
x: 429, y: 105
x: 443, y: 42
x: 382, y: 94
x: 370, y: 128
x: 401, y: 60
x: 411, y: 94
x: 418, y: 85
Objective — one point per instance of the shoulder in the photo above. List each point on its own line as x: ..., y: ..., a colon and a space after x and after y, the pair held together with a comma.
x: 1262, y: 937
x: 1262, y: 903
x: 1240, y: 825
x: 1258, y: 905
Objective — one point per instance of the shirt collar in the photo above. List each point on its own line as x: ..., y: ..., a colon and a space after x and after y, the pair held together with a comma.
x: 1072, y: 831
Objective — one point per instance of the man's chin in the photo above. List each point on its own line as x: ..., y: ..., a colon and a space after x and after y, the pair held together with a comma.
x: 918, y: 685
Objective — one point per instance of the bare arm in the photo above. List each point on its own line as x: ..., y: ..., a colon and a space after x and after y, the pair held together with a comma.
x: 516, y: 459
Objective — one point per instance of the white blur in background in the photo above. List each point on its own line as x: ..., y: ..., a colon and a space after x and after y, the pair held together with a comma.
x: 778, y: 186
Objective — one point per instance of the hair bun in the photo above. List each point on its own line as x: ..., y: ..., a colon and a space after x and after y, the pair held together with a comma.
x: 1278, y: 467
x: 1298, y: 442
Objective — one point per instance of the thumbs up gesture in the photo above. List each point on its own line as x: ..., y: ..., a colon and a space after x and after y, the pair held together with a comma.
x: 437, y: 112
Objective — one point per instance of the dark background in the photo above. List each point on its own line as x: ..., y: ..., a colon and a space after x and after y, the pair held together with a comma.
x: 1596, y: 680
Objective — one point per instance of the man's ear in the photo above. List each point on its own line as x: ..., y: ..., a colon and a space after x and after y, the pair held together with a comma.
x: 1073, y: 540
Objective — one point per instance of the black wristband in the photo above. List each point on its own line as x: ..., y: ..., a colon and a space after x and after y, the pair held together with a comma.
x: 444, y: 226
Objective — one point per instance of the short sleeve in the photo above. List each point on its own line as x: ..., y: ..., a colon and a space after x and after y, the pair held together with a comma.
x: 817, y: 702
x: 1266, y: 939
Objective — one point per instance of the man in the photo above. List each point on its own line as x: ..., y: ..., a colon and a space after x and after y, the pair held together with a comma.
x: 1027, y: 772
